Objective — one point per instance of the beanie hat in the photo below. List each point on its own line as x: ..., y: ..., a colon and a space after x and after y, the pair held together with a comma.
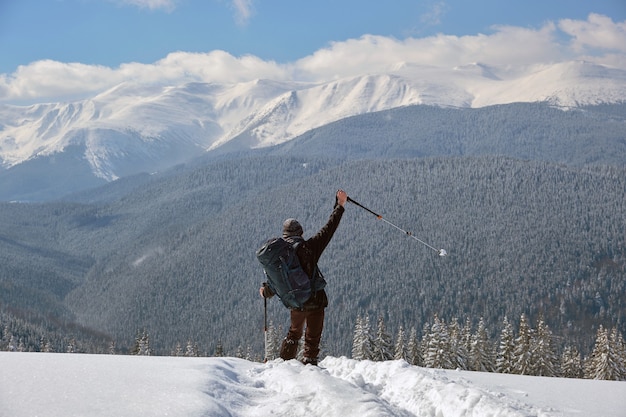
x: 291, y: 227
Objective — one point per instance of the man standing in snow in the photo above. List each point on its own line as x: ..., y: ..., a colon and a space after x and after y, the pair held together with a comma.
x: 312, y: 313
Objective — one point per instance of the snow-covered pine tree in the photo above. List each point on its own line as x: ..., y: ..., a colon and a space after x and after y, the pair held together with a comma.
x: 191, y: 349
x: 481, y: 355
x: 71, y: 346
x: 383, y: 346
x: 522, y: 355
x: 142, y: 344
x: 178, y: 350
x: 219, y: 349
x: 571, y: 363
x: 438, y: 353
x: 466, y: 340
x: 362, y: 340
x: 457, y: 347
x: 425, y: 341
x: 414, y: 352
x: 400, y: 351
x: 240, y: 352
x: 12, y: 346
x: 617, y: 341
x: 273, y: 342
x: 605, y: 361
x: 504, y: 358
x: 544, y: 357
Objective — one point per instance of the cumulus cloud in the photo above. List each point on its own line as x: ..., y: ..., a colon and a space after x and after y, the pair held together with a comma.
x: 43, y: 79
x: 597, y: 32
x: 597, y: 39
x: 509, y: 46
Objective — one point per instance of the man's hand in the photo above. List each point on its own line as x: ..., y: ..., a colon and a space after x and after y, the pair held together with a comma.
x: 342, y: 197
x: 265, y: 291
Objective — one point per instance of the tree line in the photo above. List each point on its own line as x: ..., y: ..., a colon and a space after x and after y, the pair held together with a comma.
x: 529, y: 351
x: 446, y: 345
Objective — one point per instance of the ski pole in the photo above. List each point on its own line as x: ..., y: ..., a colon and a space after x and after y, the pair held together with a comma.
x: 442, y: 252
x: 265, y: 324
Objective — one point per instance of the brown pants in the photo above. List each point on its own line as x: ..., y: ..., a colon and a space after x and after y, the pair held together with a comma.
x: 314, y: 320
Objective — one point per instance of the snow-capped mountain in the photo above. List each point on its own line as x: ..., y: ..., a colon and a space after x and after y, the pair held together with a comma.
x: 143, y: 128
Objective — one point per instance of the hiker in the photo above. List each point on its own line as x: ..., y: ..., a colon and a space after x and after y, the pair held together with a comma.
x: 312, y: 312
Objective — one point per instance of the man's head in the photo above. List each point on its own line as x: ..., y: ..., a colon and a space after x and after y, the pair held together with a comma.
x: 291, y: 227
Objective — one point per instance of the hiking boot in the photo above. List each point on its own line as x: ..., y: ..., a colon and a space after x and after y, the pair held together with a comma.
x: 310, y: 361
x: 288, y: 349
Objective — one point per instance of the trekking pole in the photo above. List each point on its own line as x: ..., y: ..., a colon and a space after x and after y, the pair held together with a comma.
x: 265, y: 335
x: 441, y: 252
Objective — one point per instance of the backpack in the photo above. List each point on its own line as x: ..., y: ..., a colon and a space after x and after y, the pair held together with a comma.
x: 285, y: 275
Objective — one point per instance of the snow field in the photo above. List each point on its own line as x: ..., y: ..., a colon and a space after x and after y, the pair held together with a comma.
x: 57, y: 384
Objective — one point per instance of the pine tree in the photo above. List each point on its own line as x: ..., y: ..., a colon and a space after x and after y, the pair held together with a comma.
x: 191, y: 350
x: 457, y: 347
x: 424, y: 342
x: 438, y: 353
x: 383, y: 347
x: 71, y: 346
x: 142, y: 344
x: 414, y: 353
x: 571, y: 363
x: 545, y: 360
x: 362, y: 341
x: 617, y: 341
x: 178, y: 350
x: 466, y: 340
x: 11, y: 347
x: 480, y: 353
x: 240, y: 353
x: 605, y: 361
x: 219, y: 350
x: 272, y: 350
x: 504, y: 359
x: 522, y: 355
x: 400, y: 351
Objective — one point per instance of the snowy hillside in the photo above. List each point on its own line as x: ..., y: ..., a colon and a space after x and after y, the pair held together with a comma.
x: 36, y: 384
x: 144, y: 128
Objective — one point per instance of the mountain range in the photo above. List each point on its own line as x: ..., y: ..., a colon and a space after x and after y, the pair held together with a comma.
x: 49, y: 150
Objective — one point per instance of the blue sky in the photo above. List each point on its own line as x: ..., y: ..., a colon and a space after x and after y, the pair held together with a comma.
x: 88, y: 38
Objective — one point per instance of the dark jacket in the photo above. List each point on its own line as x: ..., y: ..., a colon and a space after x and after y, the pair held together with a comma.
x: 310, y: 251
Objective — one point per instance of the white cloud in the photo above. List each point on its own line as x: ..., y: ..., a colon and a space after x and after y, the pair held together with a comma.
x: 433, y: 16
x: 167, y: 5
x: 598, y: 32
x: 243, y: 11
x: 597, y: 39
x: 45, y: 79
x: 509, y: 46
